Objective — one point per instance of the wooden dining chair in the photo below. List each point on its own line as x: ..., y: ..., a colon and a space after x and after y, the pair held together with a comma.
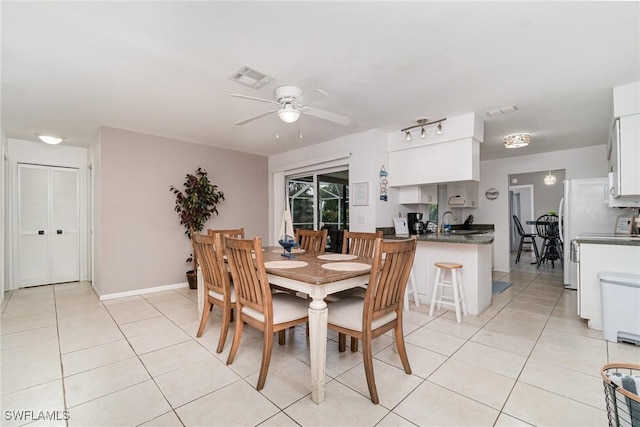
x: 255, y: 304
x: 237, y: 233
x: 381, y: 309
x: 358, y: 243
x: 313, y: 242
x: 220, y: 292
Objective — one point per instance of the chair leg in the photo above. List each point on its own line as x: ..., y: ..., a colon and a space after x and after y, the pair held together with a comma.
x: 402, y: 350
x: 282, y: 337
x: 519, y: 249
x: 266, y: 358
x: 354, y: 344
x: 535, y: 248
x: 367, y: 356
x: 342, y: 342
x: 435, y: 291
x: 205, y: 316
x: 236, y: 338
x: 227, y: 312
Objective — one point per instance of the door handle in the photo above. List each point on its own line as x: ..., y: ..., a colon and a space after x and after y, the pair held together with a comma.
x: 40, y: 232
x: 59, y: 232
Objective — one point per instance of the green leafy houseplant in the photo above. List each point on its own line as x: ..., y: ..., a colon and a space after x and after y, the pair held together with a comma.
x: 195, y: 204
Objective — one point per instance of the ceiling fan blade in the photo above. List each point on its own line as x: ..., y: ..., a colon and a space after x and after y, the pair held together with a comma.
x: 236, y: 95
x: 333, y: 117
x: 313, y: 96
x: 257, y: 116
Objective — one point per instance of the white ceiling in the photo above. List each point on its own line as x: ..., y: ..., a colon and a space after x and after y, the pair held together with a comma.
x: 163, y: 68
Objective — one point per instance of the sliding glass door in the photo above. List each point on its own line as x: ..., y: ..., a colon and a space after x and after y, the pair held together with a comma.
x: 321, y: 200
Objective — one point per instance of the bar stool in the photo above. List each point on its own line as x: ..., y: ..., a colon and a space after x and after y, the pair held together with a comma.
x: 455, y: 284
x: 411, y: 289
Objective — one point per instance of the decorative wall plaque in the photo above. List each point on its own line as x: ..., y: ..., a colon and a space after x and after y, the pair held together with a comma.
x: 491, y: 194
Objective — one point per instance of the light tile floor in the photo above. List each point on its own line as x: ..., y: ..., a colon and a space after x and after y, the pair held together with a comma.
x: 528, y: 360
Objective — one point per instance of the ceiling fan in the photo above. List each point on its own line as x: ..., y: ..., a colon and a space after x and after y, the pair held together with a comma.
x: 292, y: 105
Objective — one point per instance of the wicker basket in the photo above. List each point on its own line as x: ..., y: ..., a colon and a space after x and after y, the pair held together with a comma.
x: 623, y: 406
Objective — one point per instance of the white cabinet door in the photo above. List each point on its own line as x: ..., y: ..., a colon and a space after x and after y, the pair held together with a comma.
x: 48, y: 223
x: 629, y: 155
x: 418, y: 194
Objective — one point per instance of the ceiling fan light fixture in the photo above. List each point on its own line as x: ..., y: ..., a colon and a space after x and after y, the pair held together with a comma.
x: 52, y: 140
x: 517, y: 140
x: 289, y: 114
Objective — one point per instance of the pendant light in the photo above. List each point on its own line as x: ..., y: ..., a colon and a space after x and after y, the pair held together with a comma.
x: 549, y: 179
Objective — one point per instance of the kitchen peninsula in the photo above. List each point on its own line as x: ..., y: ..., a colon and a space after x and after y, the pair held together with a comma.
x: 473, y: 251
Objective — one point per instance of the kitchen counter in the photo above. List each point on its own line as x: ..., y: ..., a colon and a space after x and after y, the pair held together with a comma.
x: 452, y: 237
x: 609, y: 239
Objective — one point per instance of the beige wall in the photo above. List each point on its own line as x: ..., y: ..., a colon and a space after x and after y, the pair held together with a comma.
x: 142, y: 242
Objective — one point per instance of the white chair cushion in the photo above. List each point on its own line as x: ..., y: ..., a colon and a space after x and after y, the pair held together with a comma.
x: 219, y: 296
x: 347, y: 313
x: 286, y: 307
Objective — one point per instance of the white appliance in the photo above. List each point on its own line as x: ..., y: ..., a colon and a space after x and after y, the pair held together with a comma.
x: 583, y: 209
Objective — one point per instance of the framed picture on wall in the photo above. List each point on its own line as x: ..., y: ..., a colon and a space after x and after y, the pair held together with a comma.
x: 361, y: 194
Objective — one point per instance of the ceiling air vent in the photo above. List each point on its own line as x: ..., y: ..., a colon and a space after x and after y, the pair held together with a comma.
x: 502, y: 110
x: 250, y: 77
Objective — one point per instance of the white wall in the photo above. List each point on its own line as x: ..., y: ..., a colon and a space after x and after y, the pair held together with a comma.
x: 362, y: 153
x: 21, y: 151
x: 587, y: 162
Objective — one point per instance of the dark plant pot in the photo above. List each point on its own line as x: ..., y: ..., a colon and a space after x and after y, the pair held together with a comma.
x: 192, y: 278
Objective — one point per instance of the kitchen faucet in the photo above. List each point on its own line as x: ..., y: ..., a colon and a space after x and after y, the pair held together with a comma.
x: 452, y: 216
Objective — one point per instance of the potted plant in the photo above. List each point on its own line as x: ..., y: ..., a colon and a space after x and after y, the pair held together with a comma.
x: 194, y: 206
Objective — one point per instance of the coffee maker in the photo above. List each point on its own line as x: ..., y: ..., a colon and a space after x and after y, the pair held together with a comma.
x: 414, y: 222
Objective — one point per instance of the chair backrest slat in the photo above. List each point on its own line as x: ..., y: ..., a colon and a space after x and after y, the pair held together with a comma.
x: 547, y: 226
x: 249, y: 274
x: 518, y: 226
x: 358, y: 243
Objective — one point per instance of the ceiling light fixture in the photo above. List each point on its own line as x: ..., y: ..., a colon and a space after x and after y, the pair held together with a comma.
x: 549, y: 179
x: 421, y: 124
x: 53, y: 140
x: 288, y: 113
x: 517, y: 140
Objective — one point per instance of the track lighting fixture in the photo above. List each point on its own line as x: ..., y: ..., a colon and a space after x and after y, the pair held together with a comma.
x: 422, y: 123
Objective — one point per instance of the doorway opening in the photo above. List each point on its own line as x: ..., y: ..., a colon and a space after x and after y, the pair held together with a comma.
x: 320, y: 200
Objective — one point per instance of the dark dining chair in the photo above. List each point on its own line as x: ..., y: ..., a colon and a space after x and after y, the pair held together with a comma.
x: 525, y: 238
x: 548, y: 228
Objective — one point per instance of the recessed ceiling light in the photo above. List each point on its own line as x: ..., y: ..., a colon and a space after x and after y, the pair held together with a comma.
x: 50, y: 139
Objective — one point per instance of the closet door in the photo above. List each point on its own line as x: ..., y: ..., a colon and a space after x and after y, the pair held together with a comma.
x: 48, y: 225
x: 33, y: 218
x: 65, y: 236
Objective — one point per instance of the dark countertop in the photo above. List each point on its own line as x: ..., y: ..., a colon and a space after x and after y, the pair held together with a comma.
x: 609, y: 239
x: 466, y: 239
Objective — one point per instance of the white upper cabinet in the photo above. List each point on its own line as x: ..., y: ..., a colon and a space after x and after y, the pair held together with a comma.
x: 418, y: 194
x: 463, y: 194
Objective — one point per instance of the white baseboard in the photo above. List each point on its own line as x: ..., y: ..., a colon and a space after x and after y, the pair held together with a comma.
x: 144, y: 291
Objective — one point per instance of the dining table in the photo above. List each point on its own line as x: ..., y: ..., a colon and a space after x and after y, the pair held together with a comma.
x: 316, y: 275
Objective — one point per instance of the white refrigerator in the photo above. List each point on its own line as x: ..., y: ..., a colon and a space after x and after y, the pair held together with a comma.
x: 584, y: 209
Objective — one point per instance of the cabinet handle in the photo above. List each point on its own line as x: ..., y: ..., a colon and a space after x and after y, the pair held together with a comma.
x: 59, y: 231
x: 40, y: 232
